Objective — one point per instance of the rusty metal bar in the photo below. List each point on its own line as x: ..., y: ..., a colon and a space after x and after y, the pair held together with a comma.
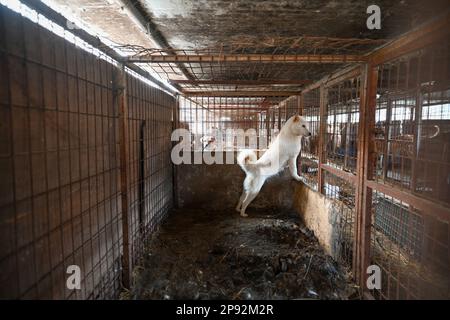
x: 60, y: 20
x: 338, y: 76
x: 322, y: 129
x: 365, y: 165
x: 426, y: 207
x: 120, y: 102
x: 175, y: 125
x: 345, y: 74
x: 240, y: 93
x: 413, y: 40
x: 258, y: 58
x: 245, y: 108
x: 300, y: 103
x: 243, y: 82
x: 347, y: 176
x: 236, y: 103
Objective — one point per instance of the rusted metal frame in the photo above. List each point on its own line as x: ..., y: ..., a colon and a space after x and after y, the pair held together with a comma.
x: 406, y: 44
x: 175, y: 125
x: 387, y: 129
x: 322, y: 128
x: 258, y: 129
x: 365, y: 165
x: 345, y: 74
x: 242, y: 82
x: 314, y: 86
x: 417, y: 127
x: 240, y: 103
x: 146, y: 23
x: 347, y: 135
x: 414, y: 40
x: 335, y: 78
x: 199, y: 104
x: 427, y: 207
x: 243, y: 108
x: 120, y: 102
x: 257, y: 58
x: 61, y: 21
x: 268, y: 126
x: 230, y: 93
x: 336, y: 131
x: 299, y: 112
x: 300, y: 102
x: 141, y: 179
x: 347, y: 176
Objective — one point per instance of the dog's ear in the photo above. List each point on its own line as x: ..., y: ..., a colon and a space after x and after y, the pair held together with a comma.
x: 296, y: 119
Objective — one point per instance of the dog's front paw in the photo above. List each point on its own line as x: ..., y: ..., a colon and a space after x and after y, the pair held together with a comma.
x: 244, y: 215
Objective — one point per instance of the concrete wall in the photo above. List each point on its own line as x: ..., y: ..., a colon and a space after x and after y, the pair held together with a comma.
x: 327, y: 218
x: 219, y: 186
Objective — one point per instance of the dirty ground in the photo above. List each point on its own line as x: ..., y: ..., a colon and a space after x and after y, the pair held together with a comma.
x: 201, y: 254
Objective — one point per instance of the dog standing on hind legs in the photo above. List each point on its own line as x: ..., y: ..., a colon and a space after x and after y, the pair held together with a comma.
x: 284, y: 150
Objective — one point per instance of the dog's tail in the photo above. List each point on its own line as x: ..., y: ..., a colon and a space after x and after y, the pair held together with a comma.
x: 246, y: 159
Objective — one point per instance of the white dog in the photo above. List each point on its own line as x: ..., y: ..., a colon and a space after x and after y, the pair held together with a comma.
x: 284, y: 150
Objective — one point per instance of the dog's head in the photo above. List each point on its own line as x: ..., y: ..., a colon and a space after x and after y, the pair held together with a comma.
x: 299, y: 126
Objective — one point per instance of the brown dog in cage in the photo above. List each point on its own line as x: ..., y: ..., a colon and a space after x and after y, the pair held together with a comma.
x: 284, y: 150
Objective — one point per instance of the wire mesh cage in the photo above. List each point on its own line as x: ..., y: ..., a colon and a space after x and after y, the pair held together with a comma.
x: 219, y: 123
x: 413, y: 123
x: 309, y: 156
x: 411, y: 248
x: 342, y: 216
x: 60, y: 167
x: 60, y: 163
x: 85, y: 159
x: 150, y: 113
x: 411, y: 142
x: 342, y: 120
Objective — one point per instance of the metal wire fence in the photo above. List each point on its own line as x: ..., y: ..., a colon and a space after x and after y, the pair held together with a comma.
x: 409, y: 241
x: 60, y: 197
x: 394, y: 190
x: 87, y: 177
x: 309, y: 157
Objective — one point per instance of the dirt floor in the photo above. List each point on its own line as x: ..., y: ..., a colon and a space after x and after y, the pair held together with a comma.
x: 200, y: 254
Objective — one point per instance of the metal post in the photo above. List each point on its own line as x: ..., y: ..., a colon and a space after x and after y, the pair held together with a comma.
x: 175, y: 125
x: 322, y: 132
x: 120, y: 102
x: 300, y: 104
x: 365, y: 165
